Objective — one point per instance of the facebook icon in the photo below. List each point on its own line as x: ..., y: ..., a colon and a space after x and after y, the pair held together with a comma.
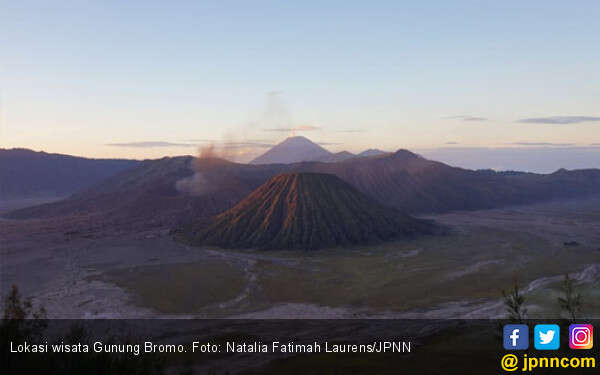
x: 516, y: 337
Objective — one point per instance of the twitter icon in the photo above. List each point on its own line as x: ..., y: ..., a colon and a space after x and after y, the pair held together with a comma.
x: 547, y: 337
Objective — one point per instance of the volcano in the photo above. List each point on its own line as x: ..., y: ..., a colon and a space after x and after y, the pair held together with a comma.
x: 293, y: 150
x: 306, y: 211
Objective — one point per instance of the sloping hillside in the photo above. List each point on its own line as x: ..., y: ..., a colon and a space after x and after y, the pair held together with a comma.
x: 29, y: 174
x: 306, y: 211
x: 159, y: 193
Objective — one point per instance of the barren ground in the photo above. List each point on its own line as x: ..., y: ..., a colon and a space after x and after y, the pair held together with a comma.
x: 104, y: 273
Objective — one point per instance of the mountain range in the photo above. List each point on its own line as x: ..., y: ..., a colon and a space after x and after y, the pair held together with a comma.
x: 169, y: 191
x: 29, y: 174
x: 298, y: 149
x: 26, y: 174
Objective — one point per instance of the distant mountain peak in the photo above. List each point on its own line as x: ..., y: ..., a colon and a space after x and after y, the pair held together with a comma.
x: 292, y: 150
x: 405, y: 154
x: 297, y: 139
x: 337, y: 157
x: 372, y: 152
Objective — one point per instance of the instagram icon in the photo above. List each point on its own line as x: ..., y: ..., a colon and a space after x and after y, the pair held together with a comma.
x: 581, y: 336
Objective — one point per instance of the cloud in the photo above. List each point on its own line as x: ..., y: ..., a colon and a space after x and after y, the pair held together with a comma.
x: 452, y: 143
x: 151, y: 144
x: 466, y: 118
x: 559, y: 120
x: 329, y: 143
x: 518, y: 158
x: 351, y: 131
x: 542, y: 144
x: 246, y: 145
x: 199, y: 140
x: 294, y: 129
x: 250, y: 143
x: 196, y: 143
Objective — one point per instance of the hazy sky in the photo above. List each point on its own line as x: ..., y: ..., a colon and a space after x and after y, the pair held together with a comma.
x: 152, y: 78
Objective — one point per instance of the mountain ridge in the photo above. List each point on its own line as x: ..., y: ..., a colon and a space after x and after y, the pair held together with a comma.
x: 299, y: 149
x: 402, y: 180
x: 371, y: 152
x: 25, y: 173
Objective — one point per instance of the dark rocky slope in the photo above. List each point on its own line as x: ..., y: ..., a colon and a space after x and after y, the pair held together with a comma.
x: 306, y: 211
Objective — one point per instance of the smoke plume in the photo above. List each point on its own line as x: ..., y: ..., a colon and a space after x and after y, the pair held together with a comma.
x: 198, y: 183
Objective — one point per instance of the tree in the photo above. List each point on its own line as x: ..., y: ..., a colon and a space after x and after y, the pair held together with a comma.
x: 19, y: 319
x: 20, y: 322
x: 16, y: 309
x: 514, y: 301
x: 570, y: 301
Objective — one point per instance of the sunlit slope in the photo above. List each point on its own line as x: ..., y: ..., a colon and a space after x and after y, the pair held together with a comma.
x: 307, y: 211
